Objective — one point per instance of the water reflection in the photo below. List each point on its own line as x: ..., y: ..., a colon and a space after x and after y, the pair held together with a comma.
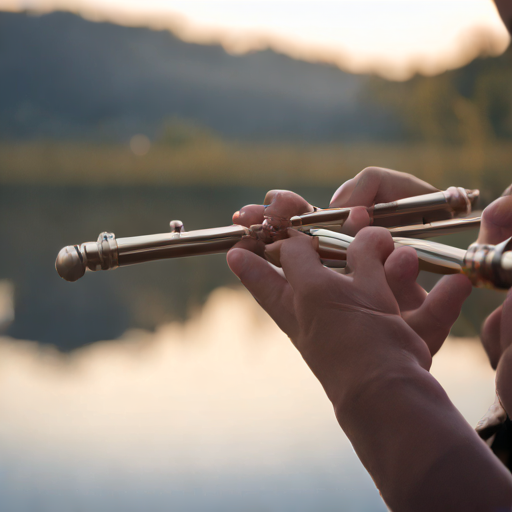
x: 218, y: 413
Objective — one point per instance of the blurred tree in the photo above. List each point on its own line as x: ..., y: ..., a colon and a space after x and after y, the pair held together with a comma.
x: 469, y: 105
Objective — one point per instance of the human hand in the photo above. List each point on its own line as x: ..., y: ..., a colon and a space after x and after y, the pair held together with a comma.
x: 345, y: 326
x: 372, y: 365
x: 496, y: 332
x: 430, y: 315
x: 374, y: 368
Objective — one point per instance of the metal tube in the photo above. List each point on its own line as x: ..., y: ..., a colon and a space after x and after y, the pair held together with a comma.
x: 487, y: 266
x: 440, y: 228
x: 447, y: 204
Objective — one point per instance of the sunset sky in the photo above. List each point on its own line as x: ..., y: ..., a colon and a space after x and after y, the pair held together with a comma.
x: 392, y: 37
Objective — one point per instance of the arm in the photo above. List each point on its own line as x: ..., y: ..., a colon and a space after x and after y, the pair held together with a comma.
x: 374, y: 368
x: 497, y: 329
x: 369, y: 357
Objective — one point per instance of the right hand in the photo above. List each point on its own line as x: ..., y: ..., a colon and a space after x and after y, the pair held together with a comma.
x: 497, y: 329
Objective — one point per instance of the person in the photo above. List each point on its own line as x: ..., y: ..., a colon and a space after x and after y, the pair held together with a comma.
x: 369, y: 337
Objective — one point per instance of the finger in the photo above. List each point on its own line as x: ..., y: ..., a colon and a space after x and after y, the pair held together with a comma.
x: 250, y: 244
x: 506, y: 322
x: 249, y: 215
x: 377, y: 185
x: 496, y: 223
x: 491, y: 336
x: 504, y: 380
x: 285, y: 204
x: 434, y: 319
x: 300, y: 261
x: 401, y: 270
x: 367, y: 254
x: 357, y: 220
x: 270, y: 290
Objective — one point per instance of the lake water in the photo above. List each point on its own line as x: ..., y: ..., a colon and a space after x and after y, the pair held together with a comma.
x: 218, y: 413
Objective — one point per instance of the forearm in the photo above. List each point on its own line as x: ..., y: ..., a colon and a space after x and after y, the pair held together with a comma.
x: 417, y: 447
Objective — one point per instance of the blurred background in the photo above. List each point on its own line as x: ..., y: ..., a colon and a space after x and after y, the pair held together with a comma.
x: 163, y: 387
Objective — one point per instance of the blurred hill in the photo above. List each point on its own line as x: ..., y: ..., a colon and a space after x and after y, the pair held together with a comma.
x: 63, y: 76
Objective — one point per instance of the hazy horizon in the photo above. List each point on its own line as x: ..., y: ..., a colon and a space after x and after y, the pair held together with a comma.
x: 398, y: 38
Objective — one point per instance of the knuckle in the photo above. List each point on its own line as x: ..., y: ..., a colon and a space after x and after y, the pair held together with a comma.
x: 372, y: 173
x: 375, y: 237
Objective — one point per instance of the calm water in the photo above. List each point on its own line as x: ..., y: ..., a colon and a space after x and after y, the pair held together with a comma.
x: 36, y: 221
x: 215, y: 414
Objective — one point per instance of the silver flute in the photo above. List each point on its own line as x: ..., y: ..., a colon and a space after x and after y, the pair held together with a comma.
x: 408, y: 219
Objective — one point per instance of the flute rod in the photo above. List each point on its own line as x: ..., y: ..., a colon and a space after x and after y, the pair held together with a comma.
x: 439, y: 228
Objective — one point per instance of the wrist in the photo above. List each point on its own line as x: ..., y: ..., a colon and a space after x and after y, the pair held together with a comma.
x: 357, y: 362
x: 381, y: 386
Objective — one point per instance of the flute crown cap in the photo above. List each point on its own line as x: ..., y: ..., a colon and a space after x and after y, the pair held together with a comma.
x: 69, y: 265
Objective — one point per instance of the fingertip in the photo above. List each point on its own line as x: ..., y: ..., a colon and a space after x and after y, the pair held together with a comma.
x: 378, y: 239
x: 490, y: 335
x: 341, y: 196
x: 496, y: 223
x: 456, y: 284
x: 237, y: 259
x: 463, y: 284
x: 358, y: 219
x: 402, y: 265
x: 369, y: 251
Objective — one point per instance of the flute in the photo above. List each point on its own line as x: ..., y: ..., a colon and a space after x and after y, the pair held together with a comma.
x: 109, y: 253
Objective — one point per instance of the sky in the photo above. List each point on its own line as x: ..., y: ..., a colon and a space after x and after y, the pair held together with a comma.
x: 391, y: 37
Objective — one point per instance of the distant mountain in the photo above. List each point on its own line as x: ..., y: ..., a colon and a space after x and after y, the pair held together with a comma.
x: 63, y: 76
